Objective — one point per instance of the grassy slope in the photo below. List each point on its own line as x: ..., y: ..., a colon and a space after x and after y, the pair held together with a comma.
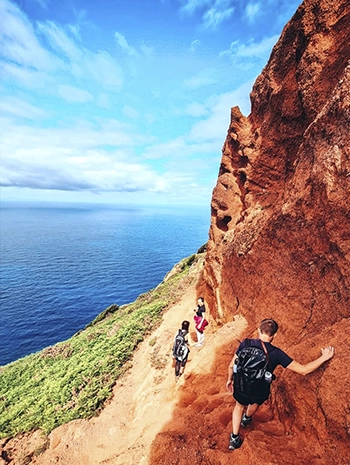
x: 73, y: 379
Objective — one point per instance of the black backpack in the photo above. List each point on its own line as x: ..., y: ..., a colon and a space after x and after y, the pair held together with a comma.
x: 180, y: 349
x: 250, y: 367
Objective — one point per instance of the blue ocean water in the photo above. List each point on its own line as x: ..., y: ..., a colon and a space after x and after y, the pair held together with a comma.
x: 61, y: 265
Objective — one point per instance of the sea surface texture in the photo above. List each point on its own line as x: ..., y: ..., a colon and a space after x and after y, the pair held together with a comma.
x: 60, y: 266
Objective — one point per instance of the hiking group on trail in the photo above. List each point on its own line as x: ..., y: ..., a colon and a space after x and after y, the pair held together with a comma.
x: 250, y: 374
x: 183, y: 340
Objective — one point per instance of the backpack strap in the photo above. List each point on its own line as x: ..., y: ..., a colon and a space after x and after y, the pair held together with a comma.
x: 267, y: 354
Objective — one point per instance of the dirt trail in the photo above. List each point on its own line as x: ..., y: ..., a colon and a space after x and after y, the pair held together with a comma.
x: 152, y: 420
x: 144, y: 400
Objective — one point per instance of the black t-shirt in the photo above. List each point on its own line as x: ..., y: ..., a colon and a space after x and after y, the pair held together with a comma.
x: 200, y: 310
x: 276, y: 355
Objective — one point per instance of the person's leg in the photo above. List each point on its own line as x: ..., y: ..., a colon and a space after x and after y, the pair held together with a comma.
x: 201, y: 338
x: 198, y: 336
x: 177, y: 368
x: 235, y: 439
x: 251, y: 409
x: 247, y: 417
x: 182, y: 369
x: 237, y: 417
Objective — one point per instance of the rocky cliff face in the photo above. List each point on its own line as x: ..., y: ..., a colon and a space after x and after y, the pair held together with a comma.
x: 280, y: 227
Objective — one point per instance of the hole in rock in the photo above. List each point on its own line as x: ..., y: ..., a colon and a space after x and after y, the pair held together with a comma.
x: 223, y: 223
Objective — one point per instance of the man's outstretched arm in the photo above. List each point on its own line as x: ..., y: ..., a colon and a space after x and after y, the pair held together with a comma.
x: 327, y: 354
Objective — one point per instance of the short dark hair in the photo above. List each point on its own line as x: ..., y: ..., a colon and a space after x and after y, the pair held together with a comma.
x: 185, y: 325
x: 268, y: 326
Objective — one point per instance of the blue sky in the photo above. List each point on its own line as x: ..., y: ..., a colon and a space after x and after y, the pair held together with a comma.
x: 126, y: 101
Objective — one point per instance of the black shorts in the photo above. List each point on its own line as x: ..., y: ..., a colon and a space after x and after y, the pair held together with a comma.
x: 182, y: 362
x: 242, y: 399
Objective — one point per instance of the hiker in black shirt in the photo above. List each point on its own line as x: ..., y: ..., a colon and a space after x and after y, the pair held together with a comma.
x: 267, y: 333
x: 200, y: 321
x: 200, y: 307
x: 181, y: 351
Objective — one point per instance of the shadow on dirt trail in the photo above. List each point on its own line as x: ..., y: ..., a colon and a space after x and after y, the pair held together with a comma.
x: 198, y: 433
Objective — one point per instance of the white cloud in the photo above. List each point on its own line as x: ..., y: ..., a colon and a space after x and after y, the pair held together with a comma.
x: 131, y: 112
x: 214, y: 128
x: 84, y: 175
x: 74, y: 95
x: 196, y: 110
x: 102, y: 69
x: 60, y: 42
x: 190, y: 163
x: 18, y: 42
x: 29, y: 63
x: 146, y: 50
x: 103, y: 100
x: 123, y: 44
x: 248, y: 55
x: 208, y: 134
x: 95, y: 159
x: 251, y: 11
x: 101, y: 158
x: 190, y: 6
x: 85, y: 65
x: 75, y: 30
x: 158, y: 150
x: 195, y: 44
x: 29, y: 78
x: 201, y: 80
x: 213, y: 12
x: 131, y: 51
x: 125, y: 141
x: 16, y: 107
x: 215, y: 16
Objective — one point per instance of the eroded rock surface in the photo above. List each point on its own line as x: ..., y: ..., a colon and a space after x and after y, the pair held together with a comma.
x: 280, y: 230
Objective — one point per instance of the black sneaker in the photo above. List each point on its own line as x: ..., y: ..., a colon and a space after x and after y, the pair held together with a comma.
x: 235, y: 443
x: 246, y: 420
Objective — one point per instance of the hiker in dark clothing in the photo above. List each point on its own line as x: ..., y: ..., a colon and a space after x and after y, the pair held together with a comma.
x: 181, y: 349
x: 200, y: 307
x: 200, y: 321
x: 267, y: 333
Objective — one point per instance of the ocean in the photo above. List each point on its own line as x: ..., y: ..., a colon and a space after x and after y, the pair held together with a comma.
x: 62, y: 265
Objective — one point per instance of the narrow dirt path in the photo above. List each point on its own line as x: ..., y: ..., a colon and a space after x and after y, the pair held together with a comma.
x: 152, y: 420
x: 144, y: 399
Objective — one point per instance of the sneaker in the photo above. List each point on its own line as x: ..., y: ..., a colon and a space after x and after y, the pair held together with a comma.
x: 246, y: 420
x: 235, y: 443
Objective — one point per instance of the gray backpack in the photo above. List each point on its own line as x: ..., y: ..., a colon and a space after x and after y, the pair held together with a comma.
x: 180, y: 348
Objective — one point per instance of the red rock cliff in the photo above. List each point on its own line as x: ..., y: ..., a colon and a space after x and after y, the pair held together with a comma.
x: 280, y: 228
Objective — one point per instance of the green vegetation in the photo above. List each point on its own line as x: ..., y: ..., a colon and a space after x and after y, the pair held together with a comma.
x: 74, y: 378
x: 188, y: 261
